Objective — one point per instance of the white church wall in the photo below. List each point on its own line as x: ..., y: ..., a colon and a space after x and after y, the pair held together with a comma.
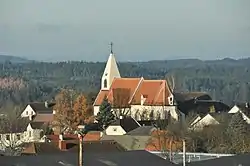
x: 140, y: 112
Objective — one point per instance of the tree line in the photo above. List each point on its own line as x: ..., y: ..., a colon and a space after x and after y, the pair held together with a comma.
x: 226, y: 80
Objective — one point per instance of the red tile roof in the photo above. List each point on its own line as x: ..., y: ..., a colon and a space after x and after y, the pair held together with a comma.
x: 156, y: 92
x: 125, y: 83
x: 101, y: 95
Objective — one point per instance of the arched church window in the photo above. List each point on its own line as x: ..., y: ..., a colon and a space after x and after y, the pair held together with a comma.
x: 105, y: 83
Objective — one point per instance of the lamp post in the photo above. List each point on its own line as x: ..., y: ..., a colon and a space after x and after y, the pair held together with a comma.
x: 184, y: 152
x: 81, y: 135
x: 82, y: 131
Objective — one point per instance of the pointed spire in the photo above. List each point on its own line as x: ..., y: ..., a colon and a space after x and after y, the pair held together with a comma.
x: 111, y: 48
x: 111, y: 71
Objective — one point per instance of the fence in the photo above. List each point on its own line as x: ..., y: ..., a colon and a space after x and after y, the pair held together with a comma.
x: 190, y: 157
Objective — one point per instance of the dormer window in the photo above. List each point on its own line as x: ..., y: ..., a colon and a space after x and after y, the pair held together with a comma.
x: 105, y: 84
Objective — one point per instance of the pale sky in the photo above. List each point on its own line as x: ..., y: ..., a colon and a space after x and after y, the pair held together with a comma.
x: 57, y: 30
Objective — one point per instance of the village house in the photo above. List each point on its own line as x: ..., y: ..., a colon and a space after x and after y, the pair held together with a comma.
x: 122, y: 126
x: 139, y: 98
x: 244, y: 109
x: 32, y: 133
x: 39, y: 112
x: 198, y: 102
x: 199, y: 122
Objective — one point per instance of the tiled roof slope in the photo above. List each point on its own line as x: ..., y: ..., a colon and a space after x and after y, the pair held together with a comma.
x: 40, y: 108
x: 155, y: 92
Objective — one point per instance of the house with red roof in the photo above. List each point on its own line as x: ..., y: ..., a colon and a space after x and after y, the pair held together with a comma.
x: 141, y: 98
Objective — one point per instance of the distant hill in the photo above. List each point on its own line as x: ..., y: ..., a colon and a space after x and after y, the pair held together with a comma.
x: 13, y: 59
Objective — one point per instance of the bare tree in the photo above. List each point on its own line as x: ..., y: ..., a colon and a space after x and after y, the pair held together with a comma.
x: 168, y: 136
x: 171, y: 83
x: 12, y: 128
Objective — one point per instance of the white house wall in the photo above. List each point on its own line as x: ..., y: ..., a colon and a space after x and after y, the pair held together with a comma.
x: 234, y: 110
x: 13, y: 141
x: 28, y: 111
x: 137, y: 110
x: 96, y: 110
x: 246, y: 118
x: 32, y: 134
x: 196, y: 120
x: 115, y: 130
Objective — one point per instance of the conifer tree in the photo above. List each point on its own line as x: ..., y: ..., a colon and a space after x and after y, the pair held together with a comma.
x: 105, y: 115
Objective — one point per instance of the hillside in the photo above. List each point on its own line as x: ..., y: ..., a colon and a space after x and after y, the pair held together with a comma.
x: 227, y: 80
x: 12, y: 59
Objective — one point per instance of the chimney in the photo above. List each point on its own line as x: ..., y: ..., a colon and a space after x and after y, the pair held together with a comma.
x: 61, y: 137
x: 46, y: 104
x: 143, y: 99
x: 62, y: 143
x: 247, y: 105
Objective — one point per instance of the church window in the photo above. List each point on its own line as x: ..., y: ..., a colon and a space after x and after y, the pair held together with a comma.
x: 105, y: 83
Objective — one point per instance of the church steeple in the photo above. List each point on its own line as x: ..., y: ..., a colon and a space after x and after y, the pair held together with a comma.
x: 111, y: 71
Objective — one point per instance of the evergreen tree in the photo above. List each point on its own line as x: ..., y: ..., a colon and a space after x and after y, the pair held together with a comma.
x: 105, y: 115
x: 238, y: 126
x: 237, y: 132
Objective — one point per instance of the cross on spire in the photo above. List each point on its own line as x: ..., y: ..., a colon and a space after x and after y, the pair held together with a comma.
x: 111, y: 47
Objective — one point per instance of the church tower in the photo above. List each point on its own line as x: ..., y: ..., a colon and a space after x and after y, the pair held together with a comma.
x: 111, y: 71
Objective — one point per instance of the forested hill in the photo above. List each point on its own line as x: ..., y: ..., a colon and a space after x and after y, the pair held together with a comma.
x: 226, y: 80
x: 12, y: 59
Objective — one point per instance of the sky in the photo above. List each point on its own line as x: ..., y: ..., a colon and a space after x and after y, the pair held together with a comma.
x: 141, y: 30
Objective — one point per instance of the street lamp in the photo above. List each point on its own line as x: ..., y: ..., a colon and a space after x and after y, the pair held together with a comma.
x: 81, y: 133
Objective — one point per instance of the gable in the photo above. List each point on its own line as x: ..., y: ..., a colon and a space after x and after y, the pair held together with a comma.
x: 115, y: 130
x: 206, y: 120
x: 233, y: 110
x: 28, y: 111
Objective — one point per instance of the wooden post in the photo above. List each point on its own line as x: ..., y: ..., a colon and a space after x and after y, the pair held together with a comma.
x: 184, y: 152
x: 80, y: 150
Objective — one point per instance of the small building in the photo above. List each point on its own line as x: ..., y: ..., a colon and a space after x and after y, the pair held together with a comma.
x: 122, y: 126
x: 34, y: 132
x: 198, y: 102
x: 199, y: 122
x: 244, y: 109
x: 39, y: 112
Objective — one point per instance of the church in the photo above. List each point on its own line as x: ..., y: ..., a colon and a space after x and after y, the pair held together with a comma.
x: 139, y: 98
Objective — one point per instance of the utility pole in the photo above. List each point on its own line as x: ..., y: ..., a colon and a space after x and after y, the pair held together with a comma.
x: 184, y: 152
